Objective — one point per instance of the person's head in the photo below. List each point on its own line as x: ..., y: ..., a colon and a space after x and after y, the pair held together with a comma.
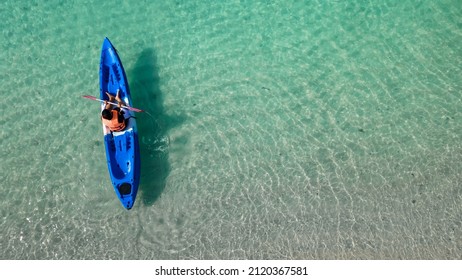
x: 107, y: 114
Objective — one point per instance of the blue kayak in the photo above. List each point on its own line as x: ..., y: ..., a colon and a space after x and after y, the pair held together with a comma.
x: 122, y: 148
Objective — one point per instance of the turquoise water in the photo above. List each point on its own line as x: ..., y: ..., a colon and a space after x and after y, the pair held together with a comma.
x: 280, y: 130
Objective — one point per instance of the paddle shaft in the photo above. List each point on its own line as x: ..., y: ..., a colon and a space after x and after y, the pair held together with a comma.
x: 113, y: 103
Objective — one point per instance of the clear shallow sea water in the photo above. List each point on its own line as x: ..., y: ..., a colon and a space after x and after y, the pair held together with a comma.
x: 281, y: 130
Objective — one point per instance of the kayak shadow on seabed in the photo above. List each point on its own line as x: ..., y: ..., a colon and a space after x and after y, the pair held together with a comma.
x: 152, y: 127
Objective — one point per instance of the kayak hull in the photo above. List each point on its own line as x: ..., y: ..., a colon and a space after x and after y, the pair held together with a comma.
x: 122, y: 148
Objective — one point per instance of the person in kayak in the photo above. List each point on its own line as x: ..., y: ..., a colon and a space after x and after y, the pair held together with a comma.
x: 113, y: 118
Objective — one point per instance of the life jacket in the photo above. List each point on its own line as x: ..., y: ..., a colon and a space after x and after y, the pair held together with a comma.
x: 113, y: 124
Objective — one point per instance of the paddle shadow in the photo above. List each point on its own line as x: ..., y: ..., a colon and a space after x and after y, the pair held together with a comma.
x: 152, y: 127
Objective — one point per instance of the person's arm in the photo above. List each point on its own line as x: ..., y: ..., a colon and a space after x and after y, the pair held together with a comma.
x: 108, y: 106
x: 120, y: 117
